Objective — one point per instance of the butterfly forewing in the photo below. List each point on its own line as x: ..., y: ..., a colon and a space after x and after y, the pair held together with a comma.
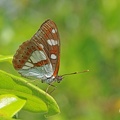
x: 48, y: 38
x: 39, y: 57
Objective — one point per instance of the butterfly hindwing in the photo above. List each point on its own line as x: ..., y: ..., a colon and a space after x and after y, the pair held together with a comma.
x: 31, y: 61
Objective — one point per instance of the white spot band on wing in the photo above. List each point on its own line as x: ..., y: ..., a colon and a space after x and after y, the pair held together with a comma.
x: 29, y: 64
x: 53, y: 31
x: 53, y: 56
x: 52, y: 42
x: 37, y: 56
x: 43, y: 56
x: 33, y: 59
x: 26, y: 67
x: 41, y: 46
x: 44, y: 73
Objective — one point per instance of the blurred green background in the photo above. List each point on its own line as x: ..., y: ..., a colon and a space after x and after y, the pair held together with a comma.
x: 90, y: 39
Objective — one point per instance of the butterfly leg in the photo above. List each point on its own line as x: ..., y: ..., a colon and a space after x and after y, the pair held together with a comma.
x: 49, y: 85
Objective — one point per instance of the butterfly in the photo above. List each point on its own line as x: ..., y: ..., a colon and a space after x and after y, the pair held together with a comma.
x: 39, y: 57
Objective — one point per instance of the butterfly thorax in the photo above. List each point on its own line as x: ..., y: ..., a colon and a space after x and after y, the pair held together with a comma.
x: 52, y: 79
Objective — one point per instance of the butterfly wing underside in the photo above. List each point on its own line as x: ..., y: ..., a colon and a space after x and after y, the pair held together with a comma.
x: 48, y: 38
x: 39, y: 57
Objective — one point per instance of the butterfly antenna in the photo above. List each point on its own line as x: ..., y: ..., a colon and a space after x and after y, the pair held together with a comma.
x: 75, y: 73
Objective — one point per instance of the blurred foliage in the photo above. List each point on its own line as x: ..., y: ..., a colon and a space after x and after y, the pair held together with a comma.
x: 90, y: 33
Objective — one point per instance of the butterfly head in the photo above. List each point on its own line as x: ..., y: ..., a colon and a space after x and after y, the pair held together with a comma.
x: 59, y: 78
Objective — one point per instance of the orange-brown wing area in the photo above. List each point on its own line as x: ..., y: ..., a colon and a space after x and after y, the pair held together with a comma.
x: 48, y: 38
x: 28, y: 56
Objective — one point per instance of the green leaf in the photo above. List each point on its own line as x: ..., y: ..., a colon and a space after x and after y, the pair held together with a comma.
x: 36, y: 99
x: 10, y: 105
x: 5, y: 58
x: 6, y: 118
